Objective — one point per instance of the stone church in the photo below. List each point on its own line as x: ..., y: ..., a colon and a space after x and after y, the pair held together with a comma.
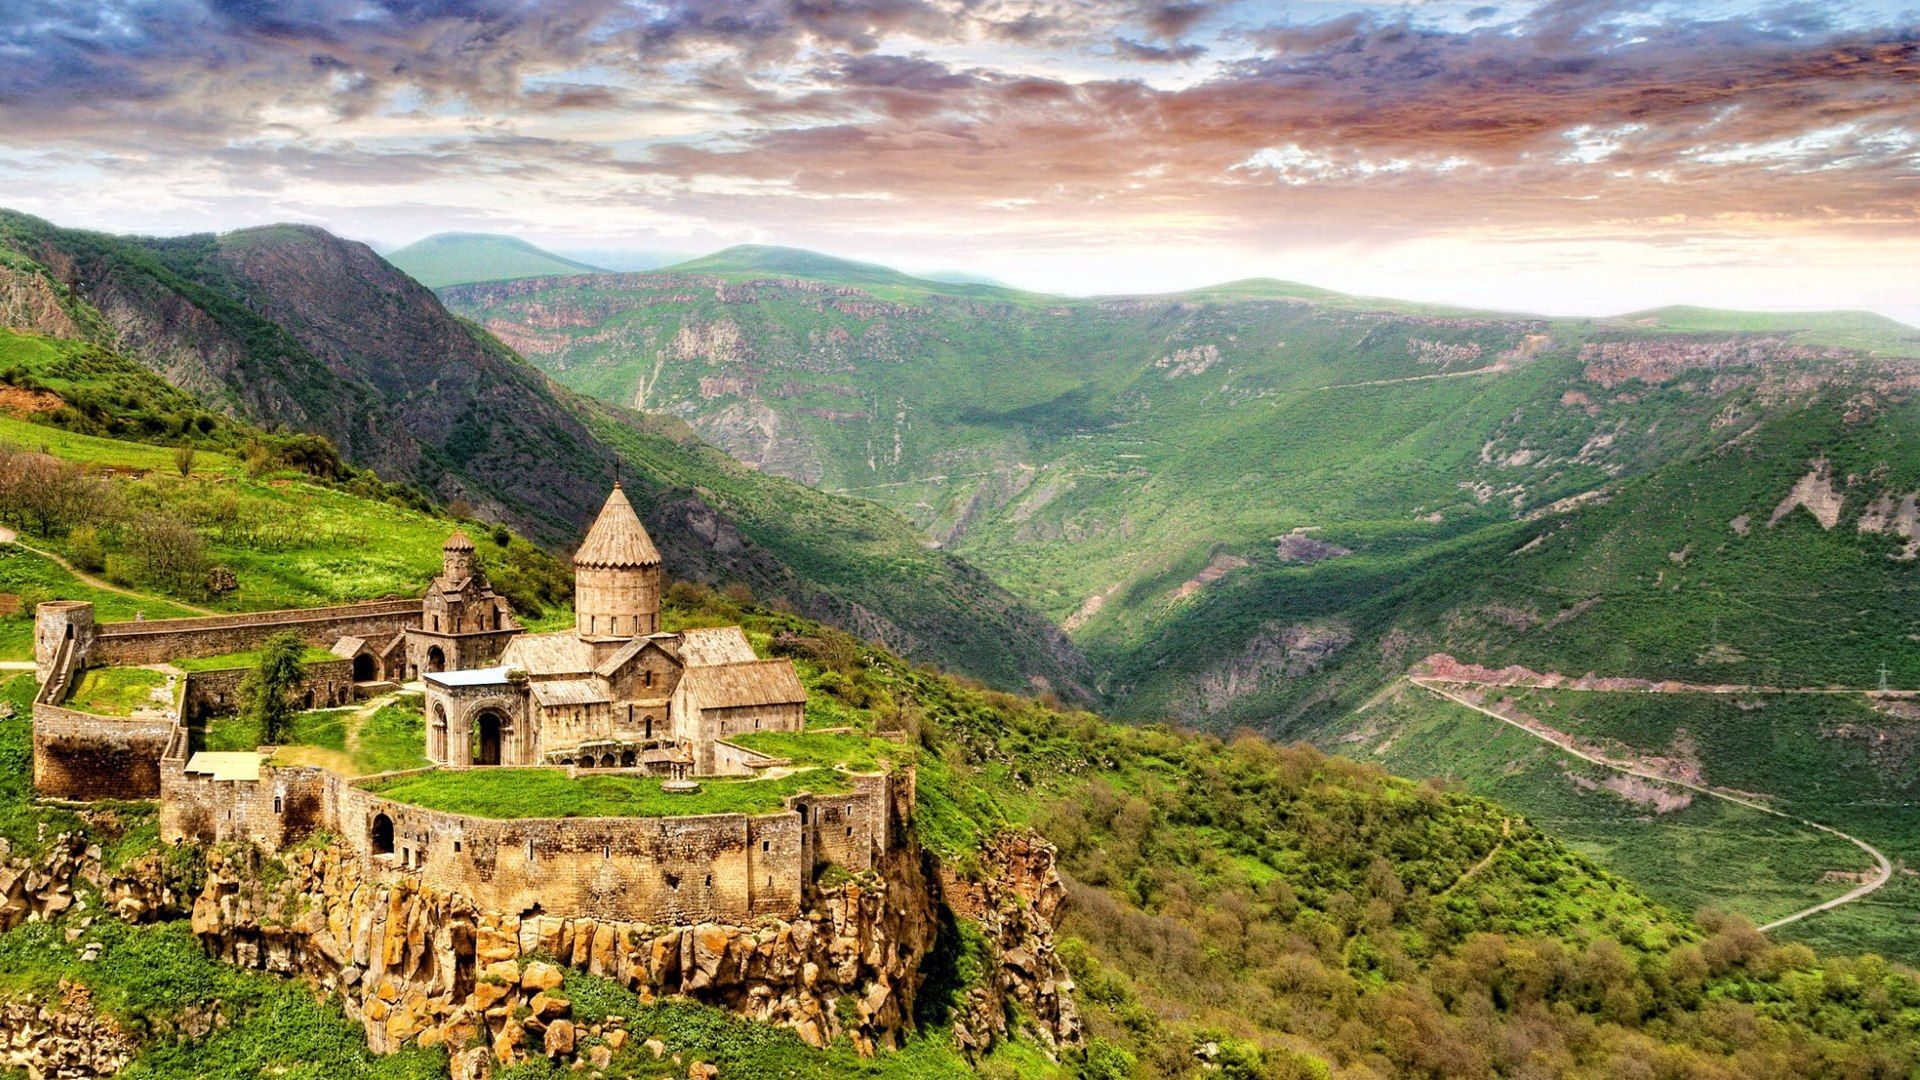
x: 613, y: 692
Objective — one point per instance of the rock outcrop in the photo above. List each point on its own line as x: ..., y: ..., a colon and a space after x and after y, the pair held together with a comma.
x: 61, y: 1037
x: 1013, y: 900
x: 417, y: 964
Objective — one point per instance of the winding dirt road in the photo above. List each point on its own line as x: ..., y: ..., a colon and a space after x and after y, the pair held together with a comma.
x: 1881, y: 877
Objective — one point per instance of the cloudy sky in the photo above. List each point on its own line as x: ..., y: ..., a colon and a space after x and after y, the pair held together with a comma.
x: 1568, y: 156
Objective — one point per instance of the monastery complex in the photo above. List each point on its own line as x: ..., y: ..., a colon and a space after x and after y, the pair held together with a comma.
x: 613, y: 696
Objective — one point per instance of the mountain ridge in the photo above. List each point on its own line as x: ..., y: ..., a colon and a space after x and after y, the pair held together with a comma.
x: 290, y: 326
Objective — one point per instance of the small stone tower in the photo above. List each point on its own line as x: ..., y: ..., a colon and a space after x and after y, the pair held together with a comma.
x: 617, y: 575
x: 456, y: 558
x: 55, y: 623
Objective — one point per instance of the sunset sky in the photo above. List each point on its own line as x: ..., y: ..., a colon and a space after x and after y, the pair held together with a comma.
x: 1582, y: 156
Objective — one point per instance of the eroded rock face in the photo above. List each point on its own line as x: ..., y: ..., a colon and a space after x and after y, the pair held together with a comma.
x: 1014, y: 900
x: 418, y: 964
x: 1276, y: 652
x: 61, y: 1036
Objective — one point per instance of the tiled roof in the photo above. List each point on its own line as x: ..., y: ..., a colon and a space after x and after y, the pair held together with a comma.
x: 617, y: 539
x: 571, y: 692
x: 559, y: 653
x: 757, y: 682
x: 715, y: 645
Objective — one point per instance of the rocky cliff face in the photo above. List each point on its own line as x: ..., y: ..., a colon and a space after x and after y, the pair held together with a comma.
x: 425, y: 966
x: 1014, y: 901
x: 418, y: 964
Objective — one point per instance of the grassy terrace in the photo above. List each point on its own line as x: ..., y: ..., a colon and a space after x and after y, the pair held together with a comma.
x: 116, y: 691
x: 351, y: 742
x: 863, y: 753
x: 228, y: 661
x: 548, y: 793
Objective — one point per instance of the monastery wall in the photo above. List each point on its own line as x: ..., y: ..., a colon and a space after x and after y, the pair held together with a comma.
x: 216, y: 693
x: 285, y: 806
x: 152, y: 641
x: 78, y: 755
x: 665, y: 870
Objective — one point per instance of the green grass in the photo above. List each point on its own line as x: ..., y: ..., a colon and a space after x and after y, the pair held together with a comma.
x: 854, y: 750
x: 148, y: 978
x: 325, y: 728
x: 34, y: 579
x: 393, y: 738
x: 1709, y: 853
x: 548, y: 793
x: 390, y: 739
x: 116, y: 691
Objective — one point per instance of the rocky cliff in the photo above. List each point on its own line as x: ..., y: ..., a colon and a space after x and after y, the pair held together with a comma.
x: 424, y: 966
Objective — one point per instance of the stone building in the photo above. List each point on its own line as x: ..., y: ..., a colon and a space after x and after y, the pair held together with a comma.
x: 614, y: 692
x: 463, y: 623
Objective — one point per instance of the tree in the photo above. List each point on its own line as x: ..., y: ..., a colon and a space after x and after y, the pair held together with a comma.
x: 267, y: 690
x: 183, y: 458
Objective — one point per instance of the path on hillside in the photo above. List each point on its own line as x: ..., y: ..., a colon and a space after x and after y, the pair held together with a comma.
x: 1884, y: 874
x: 1491, y: 369
x: 105, y: 585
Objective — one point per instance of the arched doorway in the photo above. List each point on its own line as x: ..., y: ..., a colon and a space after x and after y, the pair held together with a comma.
x: 362, y: 667
x: 487, y: 729
x: 436, y: 659
x: 381, y: 835
x: 627, y: 760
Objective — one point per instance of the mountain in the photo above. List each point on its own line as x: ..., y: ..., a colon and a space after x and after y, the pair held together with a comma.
x: 756, y: 261
x: 1226, y: 493
x: 291, y: 328
x: 457, y: 258
x: 1262, y: 504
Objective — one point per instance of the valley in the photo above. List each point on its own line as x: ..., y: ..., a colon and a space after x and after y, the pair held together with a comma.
x: 1258, y: 506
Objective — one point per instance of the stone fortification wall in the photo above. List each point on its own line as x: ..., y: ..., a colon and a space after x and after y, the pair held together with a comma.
x: 725, y: 867
x: 286, y: 805
x: 216, y: 693
x: 153, y: 641
x: 679, y: 870
x: 78, y: 755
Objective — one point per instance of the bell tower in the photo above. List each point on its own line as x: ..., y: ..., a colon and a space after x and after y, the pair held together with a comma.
x: 617, y: 575
x: 456, y: 558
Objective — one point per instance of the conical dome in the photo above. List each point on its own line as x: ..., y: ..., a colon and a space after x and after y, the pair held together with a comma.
x: 457, y: 542
x: 617, y: 539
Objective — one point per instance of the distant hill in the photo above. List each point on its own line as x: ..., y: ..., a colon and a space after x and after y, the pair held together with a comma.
x: 458, y: 258
x: 760, y: 260
x: 1851, y: 329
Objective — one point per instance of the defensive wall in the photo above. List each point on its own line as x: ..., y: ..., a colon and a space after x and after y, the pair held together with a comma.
x: 678, y: 870
x: 216, y: 692
x: 153, y: 641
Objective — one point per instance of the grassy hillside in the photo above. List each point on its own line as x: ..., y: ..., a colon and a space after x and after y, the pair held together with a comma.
x: 1285, y: 912
x: 1256, y: 503
x: 459, y: 258
x: 222, y: 341
x: 1686, y: 849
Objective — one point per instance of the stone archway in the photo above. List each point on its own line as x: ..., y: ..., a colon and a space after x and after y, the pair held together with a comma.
x: 380, y: 835
x: 363, y: 667
x: 436, y: 658
x: 489, y: 730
